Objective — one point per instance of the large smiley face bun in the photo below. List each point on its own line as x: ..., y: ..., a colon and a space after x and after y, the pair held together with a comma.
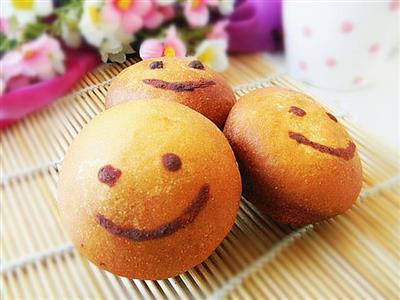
x: 298, y: 163
x: 149, y: 189
x: 184, y: 80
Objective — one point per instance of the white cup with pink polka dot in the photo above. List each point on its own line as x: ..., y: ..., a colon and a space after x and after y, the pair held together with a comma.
x: 339, y: 44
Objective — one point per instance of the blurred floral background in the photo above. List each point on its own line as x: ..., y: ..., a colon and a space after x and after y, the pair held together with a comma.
x: 46, y: 46
x: 37, y: 35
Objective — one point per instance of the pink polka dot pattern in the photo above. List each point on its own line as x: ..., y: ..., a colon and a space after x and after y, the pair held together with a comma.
x: 307, y: 31
x: 330, y: 62
x: 394, y: 5
x: 302, y: 65
x: 357, y: 80
x: 374, y: 48
x: 346, y: 27
x: 337, y: 53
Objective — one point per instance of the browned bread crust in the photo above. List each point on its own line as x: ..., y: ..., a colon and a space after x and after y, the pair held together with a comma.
x: 298, y: 164
x: 183, y: 80
x: 149, y: 189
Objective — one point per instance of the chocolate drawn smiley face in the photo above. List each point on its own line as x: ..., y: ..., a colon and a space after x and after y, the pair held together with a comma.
x: 179, y: 79
x: 181, y: 86
x: 171, y: 163
x: 343, y: 153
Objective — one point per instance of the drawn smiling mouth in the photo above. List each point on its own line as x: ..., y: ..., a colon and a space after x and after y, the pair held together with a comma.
x: 182, y: 86
x: 344, y: 153
x: 138, y: 235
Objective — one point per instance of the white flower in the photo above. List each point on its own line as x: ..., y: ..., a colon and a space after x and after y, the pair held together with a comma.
x: 165, y: 2
x: 71, y: 36
x: 92, y: 24
x: 25, y: 11
x: 115, y: 49
x: 226, y: 7
x: 69, y: 28
x: 107, y: 36
x: 11, y: 28
x: 213, y: 54
x: 2, y: 86
x: 119, y: 57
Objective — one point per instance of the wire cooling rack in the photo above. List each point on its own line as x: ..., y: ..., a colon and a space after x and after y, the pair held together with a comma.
x: 354, y: 255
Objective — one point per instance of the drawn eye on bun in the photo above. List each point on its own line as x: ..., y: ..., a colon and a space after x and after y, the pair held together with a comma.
x: 332, y: 117
x: 196, y: 64
x: 175, y: 79
x: 297, y: 111
x: 298, y: 166
x: 144, y: 200
x: 156, y: 65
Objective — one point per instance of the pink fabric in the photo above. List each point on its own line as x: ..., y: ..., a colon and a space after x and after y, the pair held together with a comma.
x: 255, y: 25
x: 18, y: 103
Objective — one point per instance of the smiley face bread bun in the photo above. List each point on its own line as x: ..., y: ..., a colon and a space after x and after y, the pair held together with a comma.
x: 298, y: 163
x: 184, y: 80
x: 148, y: 189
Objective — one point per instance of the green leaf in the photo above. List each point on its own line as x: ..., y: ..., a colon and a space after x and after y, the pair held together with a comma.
x: 6, y: 44
x: 33, y: 30
x: 67, y: 15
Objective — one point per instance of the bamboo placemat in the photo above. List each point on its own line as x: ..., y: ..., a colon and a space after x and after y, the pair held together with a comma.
x: 355, y: 255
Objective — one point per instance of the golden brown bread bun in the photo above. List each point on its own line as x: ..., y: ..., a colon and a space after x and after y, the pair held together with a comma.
x: 184, y: 80
x: 149, y: 189
x: 298, y: 163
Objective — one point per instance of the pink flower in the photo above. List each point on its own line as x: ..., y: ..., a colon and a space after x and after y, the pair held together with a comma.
x: 168, y: 12
x: 196, y: 11
x: 10, y: 28
x: 10, y: 68
x: 219, y: 30
x: 157, y: 15
x: 171, y: 45
x: 128, y: 14
x: 3, y: 25
x: 42, y: 57
x: 38, y: 59
x: 2, y: 86
x: 11, y: 65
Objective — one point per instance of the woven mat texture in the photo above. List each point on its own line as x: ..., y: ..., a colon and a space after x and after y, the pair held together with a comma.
x: 355, y: 255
